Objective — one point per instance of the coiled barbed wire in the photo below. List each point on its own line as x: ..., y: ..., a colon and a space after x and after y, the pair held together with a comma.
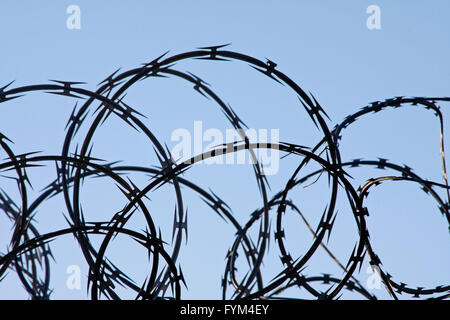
x: 28, y: 248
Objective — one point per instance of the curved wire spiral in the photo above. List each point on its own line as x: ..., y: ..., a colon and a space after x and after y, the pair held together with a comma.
x: 28, y: 248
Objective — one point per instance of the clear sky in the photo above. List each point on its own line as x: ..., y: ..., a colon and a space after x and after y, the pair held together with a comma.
x: 325, y: 46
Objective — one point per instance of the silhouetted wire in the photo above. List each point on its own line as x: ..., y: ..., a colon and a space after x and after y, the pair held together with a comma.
x: 29, y: 249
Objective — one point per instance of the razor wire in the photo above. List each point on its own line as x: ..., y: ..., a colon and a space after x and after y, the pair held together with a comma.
x: 29, y: 249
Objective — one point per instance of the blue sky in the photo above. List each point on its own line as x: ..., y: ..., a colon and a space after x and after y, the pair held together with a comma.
x: 324, y: 46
